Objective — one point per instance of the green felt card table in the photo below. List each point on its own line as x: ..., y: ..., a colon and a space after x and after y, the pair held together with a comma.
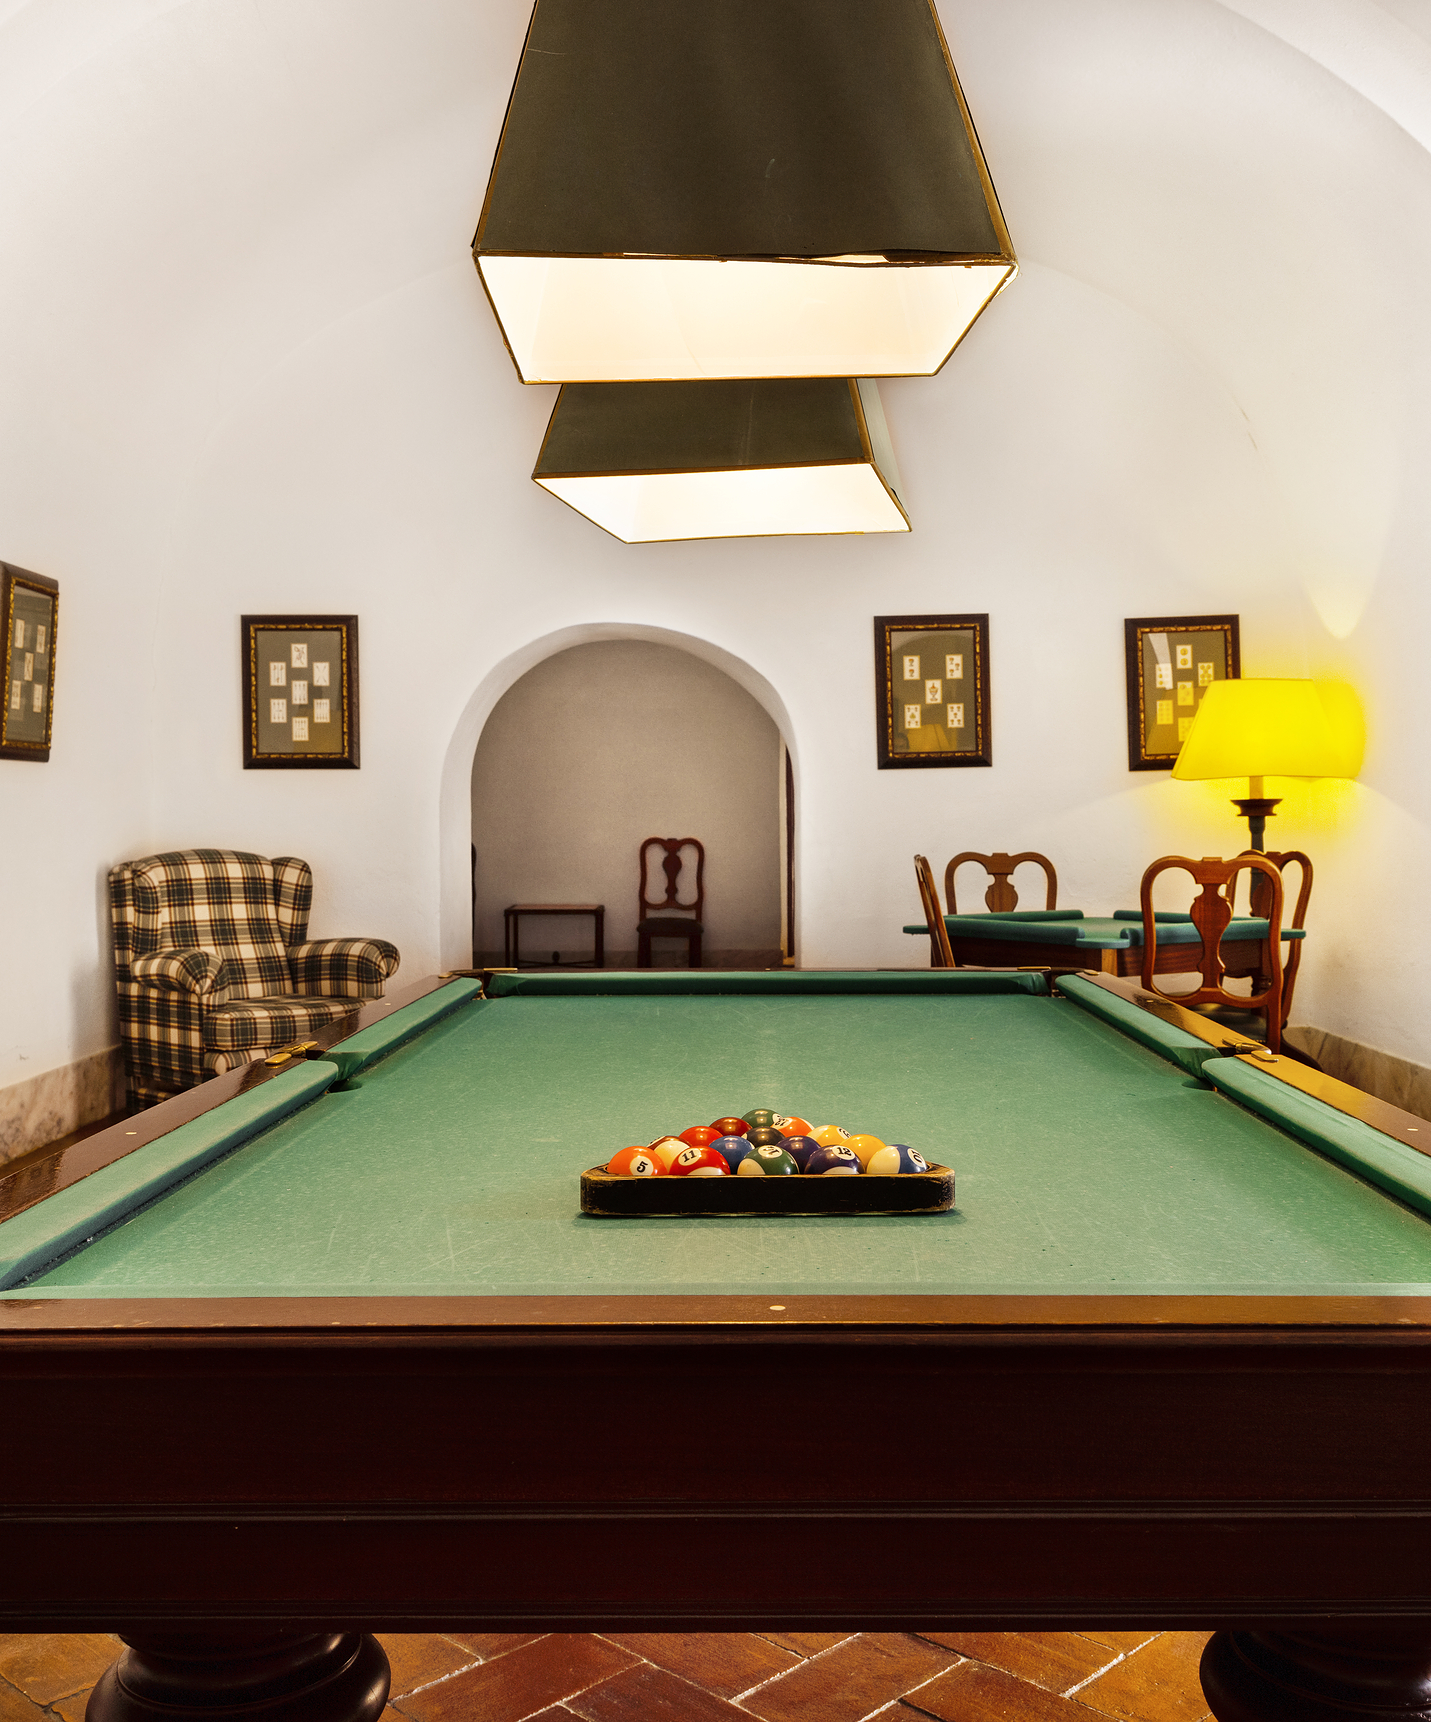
x: 326, y: 1346
x: 1113, y: 944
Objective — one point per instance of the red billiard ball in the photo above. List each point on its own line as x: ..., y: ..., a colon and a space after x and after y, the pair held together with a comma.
x: 635, y: 1163
x: 699, y: 1134
x: 730, y: 1127
x: 700, y: 1161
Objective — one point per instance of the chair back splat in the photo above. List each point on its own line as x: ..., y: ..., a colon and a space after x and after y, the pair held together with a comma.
x: 1002, y: 895
x: 687, y: 922
x: 1211, y: 912
x: 941, y: 952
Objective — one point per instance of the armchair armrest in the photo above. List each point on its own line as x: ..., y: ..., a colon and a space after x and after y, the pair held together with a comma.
x: 183, y: 971
x: 342, y: 968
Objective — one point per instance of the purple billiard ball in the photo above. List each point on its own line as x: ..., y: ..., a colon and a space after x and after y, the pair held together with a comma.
x: 833, y: 1163
x: 800, y: 1148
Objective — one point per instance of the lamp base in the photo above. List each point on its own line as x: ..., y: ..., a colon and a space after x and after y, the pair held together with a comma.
x: 1257, y: 810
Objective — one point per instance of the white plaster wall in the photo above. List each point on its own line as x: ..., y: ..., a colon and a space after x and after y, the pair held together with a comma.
x: 601, y: 746
x: 247, y: 366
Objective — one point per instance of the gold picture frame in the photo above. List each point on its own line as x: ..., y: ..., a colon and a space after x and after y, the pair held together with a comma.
x: 932, y: 691
x: 300, y: 679
x: 1171, y: 661
x: 29, y: 607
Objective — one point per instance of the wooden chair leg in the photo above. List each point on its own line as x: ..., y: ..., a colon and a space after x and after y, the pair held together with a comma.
x: 693, y: 951
x: 643, y: 950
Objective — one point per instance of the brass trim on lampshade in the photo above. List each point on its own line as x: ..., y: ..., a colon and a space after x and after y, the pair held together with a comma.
x: 729, y: 458
x: 737, y: 188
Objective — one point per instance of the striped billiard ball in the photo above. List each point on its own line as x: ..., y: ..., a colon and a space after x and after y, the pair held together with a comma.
x: 770, y: 1161
x: 831, y: 1160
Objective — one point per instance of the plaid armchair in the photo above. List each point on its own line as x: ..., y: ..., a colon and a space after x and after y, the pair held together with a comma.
x: 214, y: 966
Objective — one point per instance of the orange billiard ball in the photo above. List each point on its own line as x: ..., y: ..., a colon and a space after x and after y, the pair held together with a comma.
x: 635, y: 1163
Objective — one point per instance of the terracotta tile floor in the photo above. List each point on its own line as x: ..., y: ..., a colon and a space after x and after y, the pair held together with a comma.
x: 717, y: 1677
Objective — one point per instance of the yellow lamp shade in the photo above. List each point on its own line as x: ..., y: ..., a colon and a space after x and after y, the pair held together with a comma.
x: 1274, y: 727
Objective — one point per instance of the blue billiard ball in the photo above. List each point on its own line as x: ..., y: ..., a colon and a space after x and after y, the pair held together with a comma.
x: 735, y: 1149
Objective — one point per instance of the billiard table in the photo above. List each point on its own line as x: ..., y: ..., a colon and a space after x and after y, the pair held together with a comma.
x: 326, y: 1346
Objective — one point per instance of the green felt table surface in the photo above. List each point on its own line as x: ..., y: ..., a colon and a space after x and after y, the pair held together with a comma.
x: 1091, y: 932
x: 1086, y: 1161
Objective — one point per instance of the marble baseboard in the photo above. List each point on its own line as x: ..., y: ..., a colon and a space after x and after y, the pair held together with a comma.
x: 1397, y: 1081
x: 42, y: 1108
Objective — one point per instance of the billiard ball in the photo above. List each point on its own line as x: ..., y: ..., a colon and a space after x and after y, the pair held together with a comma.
x: 761, y: 1118
x: 730, y: 1127
x: 635, y: 1163
x: 763, y: 1135
x: 698, y: 1135
x: 733, y: 1148
x: 895, y: 1158
x: 833, y: 1161
x: 829, y: 1135
x: 800, y: 1148
x: 770, y: 1161
x: 700, y: 1161
x: 666, y: 1148
x: 791, y: 1126
x: 862, y: 1147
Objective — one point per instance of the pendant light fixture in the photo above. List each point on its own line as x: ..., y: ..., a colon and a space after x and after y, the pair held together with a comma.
x: 696, y: 189
x: 724, y: 459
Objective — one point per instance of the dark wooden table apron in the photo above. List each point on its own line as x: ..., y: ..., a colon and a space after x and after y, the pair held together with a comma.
x: 1125, y: 960
x: 246, y: 1488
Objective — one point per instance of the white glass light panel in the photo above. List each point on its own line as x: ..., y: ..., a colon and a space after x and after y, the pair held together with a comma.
x: 602, y: 319
x: 642, y: 507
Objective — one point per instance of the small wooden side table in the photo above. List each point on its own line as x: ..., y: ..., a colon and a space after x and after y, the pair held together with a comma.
x: 512, y: 930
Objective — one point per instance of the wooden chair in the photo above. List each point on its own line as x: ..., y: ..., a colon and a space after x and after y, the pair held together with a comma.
x: 1001, y: 895
x: 1211, y: 912
x: 1257, y: 905
x: 941, y: 954
x: 676, y: 926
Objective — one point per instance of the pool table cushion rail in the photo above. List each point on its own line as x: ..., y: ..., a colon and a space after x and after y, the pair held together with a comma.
x: 36, y: 1236
x: 930, y: 1192
x: 1378, y: 1142
x: 713, y: 983
x: 1073, y: 928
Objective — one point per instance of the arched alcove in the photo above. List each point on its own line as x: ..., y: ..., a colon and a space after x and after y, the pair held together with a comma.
x: 650, y: 695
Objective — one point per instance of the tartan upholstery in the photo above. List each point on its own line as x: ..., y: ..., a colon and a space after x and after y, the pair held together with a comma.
x: 348, y: 968
x: 213, y: 966
x: 262, y: 1024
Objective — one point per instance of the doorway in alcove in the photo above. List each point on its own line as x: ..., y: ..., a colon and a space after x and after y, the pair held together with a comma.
x: 601, y: 746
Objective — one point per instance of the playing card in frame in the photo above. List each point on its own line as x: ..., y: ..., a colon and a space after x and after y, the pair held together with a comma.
x: 300, y: 677
x: 932, y: 691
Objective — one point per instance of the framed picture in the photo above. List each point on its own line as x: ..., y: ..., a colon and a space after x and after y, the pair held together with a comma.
x: 30, y: 605
x: 932, y: 691
x: 300, y: 677
x: 1172, y: 662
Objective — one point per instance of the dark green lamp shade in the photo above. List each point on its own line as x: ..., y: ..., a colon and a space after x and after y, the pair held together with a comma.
x: 723, y: 188
x: 724, y: 459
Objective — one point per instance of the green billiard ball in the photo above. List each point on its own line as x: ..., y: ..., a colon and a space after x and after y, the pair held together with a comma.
x: 771, y: 1161
x: 761, y: 1119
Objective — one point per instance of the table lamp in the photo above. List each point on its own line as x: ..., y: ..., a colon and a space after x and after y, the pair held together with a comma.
x: 1260, y: 727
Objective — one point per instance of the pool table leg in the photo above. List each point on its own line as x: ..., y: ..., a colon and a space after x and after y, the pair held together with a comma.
x: 252, y: 1676
x: 1318, y: 1677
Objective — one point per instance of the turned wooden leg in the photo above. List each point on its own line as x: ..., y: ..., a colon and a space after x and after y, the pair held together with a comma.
x: 1368, y: 1676
x: 244, y: 1677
